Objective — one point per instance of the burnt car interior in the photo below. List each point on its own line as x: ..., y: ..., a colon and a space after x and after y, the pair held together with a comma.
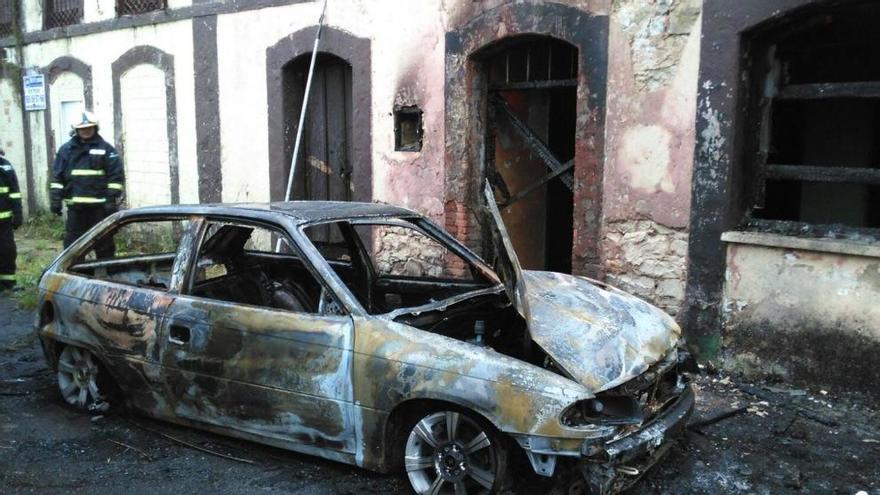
x: 139, y: 253
x: 255, y: 265
x: 396, y: 267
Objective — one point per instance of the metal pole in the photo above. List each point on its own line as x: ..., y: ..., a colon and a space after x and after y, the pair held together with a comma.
x: 302, y: 113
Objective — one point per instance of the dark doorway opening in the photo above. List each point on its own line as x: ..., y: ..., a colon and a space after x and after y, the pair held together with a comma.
x: 530, y: 145
x: 323, y: 169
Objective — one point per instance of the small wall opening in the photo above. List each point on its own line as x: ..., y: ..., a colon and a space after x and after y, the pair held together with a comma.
x: 408, y: 129
x: 530, y: 144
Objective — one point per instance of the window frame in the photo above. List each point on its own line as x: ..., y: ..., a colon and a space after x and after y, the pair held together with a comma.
x: 199, y: 238
x: 122, y: 10
x: 50, y: 15
x: 7, y: 26
x: 406, y: 224
x: 418, y: 223
x: 88, y: 241
x: 765, y: 89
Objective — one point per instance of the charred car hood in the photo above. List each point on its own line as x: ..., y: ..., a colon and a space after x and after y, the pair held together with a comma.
x: 601, y: 338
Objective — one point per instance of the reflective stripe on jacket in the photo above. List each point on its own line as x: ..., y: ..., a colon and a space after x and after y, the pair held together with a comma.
x: 10, y: 195
x: 87, y: 173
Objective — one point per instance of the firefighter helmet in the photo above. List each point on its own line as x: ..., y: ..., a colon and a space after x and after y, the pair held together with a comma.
x: 86, y: 119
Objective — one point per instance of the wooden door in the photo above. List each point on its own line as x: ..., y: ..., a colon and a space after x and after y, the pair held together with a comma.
x: 327, y: 134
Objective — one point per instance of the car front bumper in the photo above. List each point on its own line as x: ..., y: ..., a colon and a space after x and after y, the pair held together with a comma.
x: 614, y: 466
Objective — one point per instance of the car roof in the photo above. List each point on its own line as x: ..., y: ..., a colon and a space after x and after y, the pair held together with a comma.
x: 299, y: 211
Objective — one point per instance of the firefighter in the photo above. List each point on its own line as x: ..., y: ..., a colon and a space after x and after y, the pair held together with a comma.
x: 89, y: 178
x: 10, y: 219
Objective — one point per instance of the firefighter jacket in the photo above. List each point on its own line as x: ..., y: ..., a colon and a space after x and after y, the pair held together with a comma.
x: 10, y: 195
x: 87, y: 173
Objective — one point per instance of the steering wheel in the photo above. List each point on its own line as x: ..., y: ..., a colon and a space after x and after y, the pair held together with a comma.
x: 327, y: 305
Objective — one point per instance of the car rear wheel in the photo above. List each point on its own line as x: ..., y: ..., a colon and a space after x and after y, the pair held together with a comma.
x: 79, y: 380
x: 452, y: 452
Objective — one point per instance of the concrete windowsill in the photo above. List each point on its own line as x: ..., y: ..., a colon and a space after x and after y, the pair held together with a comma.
x: 837, y: 246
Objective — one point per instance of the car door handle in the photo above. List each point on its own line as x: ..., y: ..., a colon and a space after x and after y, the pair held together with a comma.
x: 178, y: 335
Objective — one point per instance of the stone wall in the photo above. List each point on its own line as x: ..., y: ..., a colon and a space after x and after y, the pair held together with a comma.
x: 647, y: 259
x: 654, y: 55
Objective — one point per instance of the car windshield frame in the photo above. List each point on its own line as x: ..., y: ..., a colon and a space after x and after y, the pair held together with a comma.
x: 419, y: 224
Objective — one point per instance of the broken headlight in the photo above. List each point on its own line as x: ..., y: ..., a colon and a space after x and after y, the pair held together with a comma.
x: 607, y: 410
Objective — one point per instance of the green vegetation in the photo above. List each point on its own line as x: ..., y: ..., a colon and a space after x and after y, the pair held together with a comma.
x: 44, y: 227
x: 137, y: 239
x: 39, y: 241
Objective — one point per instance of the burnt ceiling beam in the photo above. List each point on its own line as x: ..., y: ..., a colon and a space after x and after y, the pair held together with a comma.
x: 869, y: 89
x: 518, y: 86
x: 805, y: 173
x: 547, y: 178
x: 531, y: 139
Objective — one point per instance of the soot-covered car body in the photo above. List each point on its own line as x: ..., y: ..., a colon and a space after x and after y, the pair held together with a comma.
x: 364, y: 334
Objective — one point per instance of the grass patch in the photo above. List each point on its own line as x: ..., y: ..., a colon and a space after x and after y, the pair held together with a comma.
x: 38, y: 242
x: 43, y: 227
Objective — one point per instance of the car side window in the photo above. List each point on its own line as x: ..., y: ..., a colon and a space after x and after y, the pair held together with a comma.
x: 255, y: 265
x: 140, y: 253
x: 402, y: 251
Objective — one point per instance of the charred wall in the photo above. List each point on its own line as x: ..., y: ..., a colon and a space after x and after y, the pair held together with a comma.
x: 792, y: 298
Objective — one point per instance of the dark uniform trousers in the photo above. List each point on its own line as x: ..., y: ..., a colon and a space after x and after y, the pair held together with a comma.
x: 10, y: 218
x: 82, y: 218
x: 7, y: 255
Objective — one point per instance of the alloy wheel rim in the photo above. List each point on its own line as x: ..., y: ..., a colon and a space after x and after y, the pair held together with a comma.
x: 448, y: 452
x: 78, y: 377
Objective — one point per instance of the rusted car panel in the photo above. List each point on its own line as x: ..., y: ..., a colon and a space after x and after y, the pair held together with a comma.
x: 332, y: 384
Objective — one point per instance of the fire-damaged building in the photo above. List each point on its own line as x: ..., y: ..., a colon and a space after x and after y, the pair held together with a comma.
x: 718, y: 158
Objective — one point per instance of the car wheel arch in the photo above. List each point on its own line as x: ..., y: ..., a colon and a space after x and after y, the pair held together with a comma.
x: 407, y: 411
x: 57, y: 347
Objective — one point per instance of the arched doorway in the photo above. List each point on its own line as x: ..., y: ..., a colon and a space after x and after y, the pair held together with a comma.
x: 341, y: 90
x: 530, y: 144
x: 469, y: 47
x: 144, y: 137
x: 324, y: 167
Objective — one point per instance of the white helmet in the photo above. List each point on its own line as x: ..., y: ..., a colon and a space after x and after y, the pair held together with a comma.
x: 86, y: 119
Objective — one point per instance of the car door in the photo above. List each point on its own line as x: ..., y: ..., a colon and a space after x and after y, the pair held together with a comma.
x: 238, y: 356
x: 118, y: 303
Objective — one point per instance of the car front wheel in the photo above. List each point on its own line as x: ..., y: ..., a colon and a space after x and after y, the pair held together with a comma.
x: 79, y: 378
x: 451, y: 452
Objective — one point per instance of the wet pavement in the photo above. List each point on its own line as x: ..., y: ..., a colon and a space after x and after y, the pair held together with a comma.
x: 773, y: 439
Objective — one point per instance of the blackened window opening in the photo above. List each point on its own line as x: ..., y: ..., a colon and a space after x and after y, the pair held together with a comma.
x: 131, y: 7
x: 59, y: 13
x: 814, y: 154
x: 408, y: 129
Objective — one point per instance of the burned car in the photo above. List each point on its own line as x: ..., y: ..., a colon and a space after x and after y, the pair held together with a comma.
x: 365, y: 334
